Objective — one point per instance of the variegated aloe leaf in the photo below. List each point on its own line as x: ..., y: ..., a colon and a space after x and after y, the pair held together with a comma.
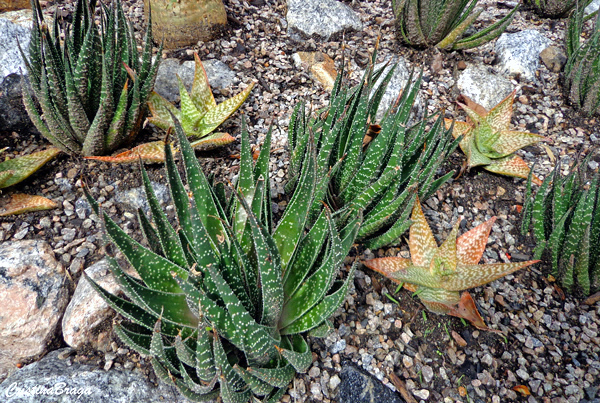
x: 437, y: 274
x: 15, y: 170
x: 199, y: 115
x: 488, y: 141
x: 22, y: 203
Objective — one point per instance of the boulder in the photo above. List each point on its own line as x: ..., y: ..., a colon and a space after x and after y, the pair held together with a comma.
x: 56, y: 380
x: 35, y: 292
x: 360, y: 387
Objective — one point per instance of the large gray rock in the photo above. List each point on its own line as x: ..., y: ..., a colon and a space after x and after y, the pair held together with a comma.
x: 360, y: 387
x: 13, y: 116
x: 34, y: 290
x: 219, y: 76
x: 52, y: 380
x: 322, y: 19
x: 483, y: 86
x: 87, y: 311
x: 519, y: 53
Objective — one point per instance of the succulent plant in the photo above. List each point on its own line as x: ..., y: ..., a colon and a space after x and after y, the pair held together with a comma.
x: 488, y: 141
x: 199, y: 115
x: 565, y: 214
x: 223, y: 299
x: 437, y: 274
x: 582, y: 71
x: 443, y: 23
x: 86, y: 90
x: 380, y: 177
x: 555, y: 8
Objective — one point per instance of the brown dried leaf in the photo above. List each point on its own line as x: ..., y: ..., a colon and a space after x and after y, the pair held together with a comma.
x: 21, y: 203
x: 522, y: 389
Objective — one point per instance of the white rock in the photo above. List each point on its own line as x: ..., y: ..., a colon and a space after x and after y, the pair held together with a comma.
x: 319, y: 18
x: 87, y: 311
x: 483, y: 86
x: 519, y: 53
x: 34, y: 290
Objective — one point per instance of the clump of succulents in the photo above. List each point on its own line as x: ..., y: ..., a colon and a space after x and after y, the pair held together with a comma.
x: 437, y: 274
x: 15, y: 170
x: 565, y: 214
x: 377, y: 167
x: 223, y: 299
x: 582, y: 71
x: 488, y: 141
x: 556, y: 8
x: 86, y: 90
x: 444, y: 23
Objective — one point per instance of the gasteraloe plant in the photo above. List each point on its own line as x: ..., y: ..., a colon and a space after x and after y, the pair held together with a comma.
x: 488, y: 141
x: 437, y: 274
x: 443, y: 23
x: 199, y: 115
x: 87, y: 88
x: 582, y: 71
x: 382, y: 177
x: 223, y: 298
x: 565, y: 214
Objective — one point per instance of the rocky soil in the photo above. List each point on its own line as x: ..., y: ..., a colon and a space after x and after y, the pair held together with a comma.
x: 549, y: 345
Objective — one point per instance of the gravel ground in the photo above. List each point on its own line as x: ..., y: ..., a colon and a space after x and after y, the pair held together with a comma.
x: 550, y: 340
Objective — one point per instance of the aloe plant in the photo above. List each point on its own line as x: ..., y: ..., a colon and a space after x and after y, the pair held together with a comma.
x: 488, y: 141
x: 444, y: 23
x: 565, y: 214
x: 556, y: 8
x: 223, y: 299
x: 381, y: 178
x: 199, y: 115
x: 86, y: 89
x: 437, y: 274
x: 582, y: 71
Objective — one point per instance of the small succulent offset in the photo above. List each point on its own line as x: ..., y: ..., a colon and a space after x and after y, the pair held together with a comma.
x: 223, y: 299
x: 86, y: 90
x: 488, y: 141
x: 443, y: 23
x: 375, y: 168
x: 565, y: 214
x: 556, y: 8
x: 199, y: 115
x: 437, y: 274
x: 582, y: 71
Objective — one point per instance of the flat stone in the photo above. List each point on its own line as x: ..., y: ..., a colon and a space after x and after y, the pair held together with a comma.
x: 136, y: 197
x: 320, y: 66
x: 359, y: 387
x: 87, y: 311
x: 483, y: 86
x: 519, y: 53
x: 322, y: 19
x: 35, y: 293
x: 55, y: 380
